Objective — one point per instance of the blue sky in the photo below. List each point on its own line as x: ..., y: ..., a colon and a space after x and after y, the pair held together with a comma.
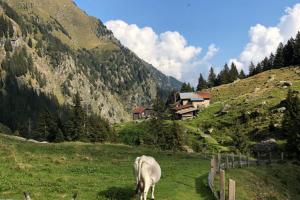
x: 224, y: 24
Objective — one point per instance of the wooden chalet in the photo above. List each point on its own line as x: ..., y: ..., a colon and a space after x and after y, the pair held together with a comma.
x: 189, y: 104
x: 139, y: 113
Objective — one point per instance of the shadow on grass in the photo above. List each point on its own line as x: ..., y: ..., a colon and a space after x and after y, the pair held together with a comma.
x: 202, y: 187
x: 117, y: 193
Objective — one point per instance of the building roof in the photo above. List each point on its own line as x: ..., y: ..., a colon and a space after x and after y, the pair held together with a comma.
x: 204, y: 95
x: 191, y: 95
x: 138, y: 110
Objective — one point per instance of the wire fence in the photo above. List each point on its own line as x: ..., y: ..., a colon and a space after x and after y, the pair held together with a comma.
x: 220, y: 162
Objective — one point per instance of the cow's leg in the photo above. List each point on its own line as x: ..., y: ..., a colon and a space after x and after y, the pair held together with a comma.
x: 152, y: 195
x: 146, y: 189
x: 141, y: 196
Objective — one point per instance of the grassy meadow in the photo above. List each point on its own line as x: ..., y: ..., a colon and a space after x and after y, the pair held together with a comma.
x: 94, y: 171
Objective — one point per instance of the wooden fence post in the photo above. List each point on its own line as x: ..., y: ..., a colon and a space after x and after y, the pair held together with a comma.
x: 231, y: 190
x: 227, y: 162
x: 222, y: 184
x: 212, y: 171
x: 282, y: 156
x: 232, y: 160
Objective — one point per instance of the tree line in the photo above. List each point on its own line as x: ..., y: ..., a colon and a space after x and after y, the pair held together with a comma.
x: 285, y: 55
x: 226, y: 75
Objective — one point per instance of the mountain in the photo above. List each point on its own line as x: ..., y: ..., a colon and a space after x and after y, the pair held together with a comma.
x: 54, y: 48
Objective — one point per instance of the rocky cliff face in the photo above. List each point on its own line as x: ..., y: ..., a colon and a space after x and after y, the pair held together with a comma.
x: 68, y: 51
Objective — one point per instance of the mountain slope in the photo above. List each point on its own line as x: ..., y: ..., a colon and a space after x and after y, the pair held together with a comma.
x: 253, y: 109
x: 73, y: 52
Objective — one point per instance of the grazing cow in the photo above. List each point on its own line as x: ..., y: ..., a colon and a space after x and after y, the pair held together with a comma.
x: 147, y: 172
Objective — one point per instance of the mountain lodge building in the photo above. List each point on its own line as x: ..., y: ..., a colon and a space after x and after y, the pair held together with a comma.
x: 188, y: 104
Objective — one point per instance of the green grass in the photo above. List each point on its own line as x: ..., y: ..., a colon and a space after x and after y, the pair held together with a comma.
x: 95, y: 171
x: 272, y: 182
x: 104, y: 171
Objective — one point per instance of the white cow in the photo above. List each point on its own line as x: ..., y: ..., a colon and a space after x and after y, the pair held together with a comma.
x: 147, y: 172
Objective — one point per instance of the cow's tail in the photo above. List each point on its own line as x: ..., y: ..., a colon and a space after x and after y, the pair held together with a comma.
x: 140, y: 179
x: 140, y: 169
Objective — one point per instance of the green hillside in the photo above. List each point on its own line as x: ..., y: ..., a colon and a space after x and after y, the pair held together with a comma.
x: 251, y: 108
x: 252, y: 113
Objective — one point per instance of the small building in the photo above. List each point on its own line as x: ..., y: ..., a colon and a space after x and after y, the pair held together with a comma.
x: 183, y: 112
x: 138, y: 113
x: 197, y: 99
x: 206, y: 97
x: 189, y: 104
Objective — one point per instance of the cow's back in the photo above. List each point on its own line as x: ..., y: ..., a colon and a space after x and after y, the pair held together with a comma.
x: 150, y: 168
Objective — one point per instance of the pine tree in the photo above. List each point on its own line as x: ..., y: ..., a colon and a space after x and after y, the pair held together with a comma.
x: 288, y: 53
x: 271, y: 60
x: 297, y: 49
x: 278, y: 60
x: 202, y: 84
x: 291, y: 123
x: 233, y: 73
x: 186, y: 87
x: 266, y: 65
x: 69, y: 130
x: 251, y: 69
x: 159, y: 107
x: 158, y: 126
x: 78, y: 119
x: 211, y: 80
x: 258, y: 68
x: 46, y: 126
x: 242, y: 74
x: 225, y: 75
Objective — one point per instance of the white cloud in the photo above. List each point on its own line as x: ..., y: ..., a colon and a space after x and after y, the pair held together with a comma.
x: 264, y: 40
x: 169, y: 51
x: 212, y: 51
x: 237, y: 63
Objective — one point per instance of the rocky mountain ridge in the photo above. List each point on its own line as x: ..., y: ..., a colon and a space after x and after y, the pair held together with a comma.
x: 69, y: 52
